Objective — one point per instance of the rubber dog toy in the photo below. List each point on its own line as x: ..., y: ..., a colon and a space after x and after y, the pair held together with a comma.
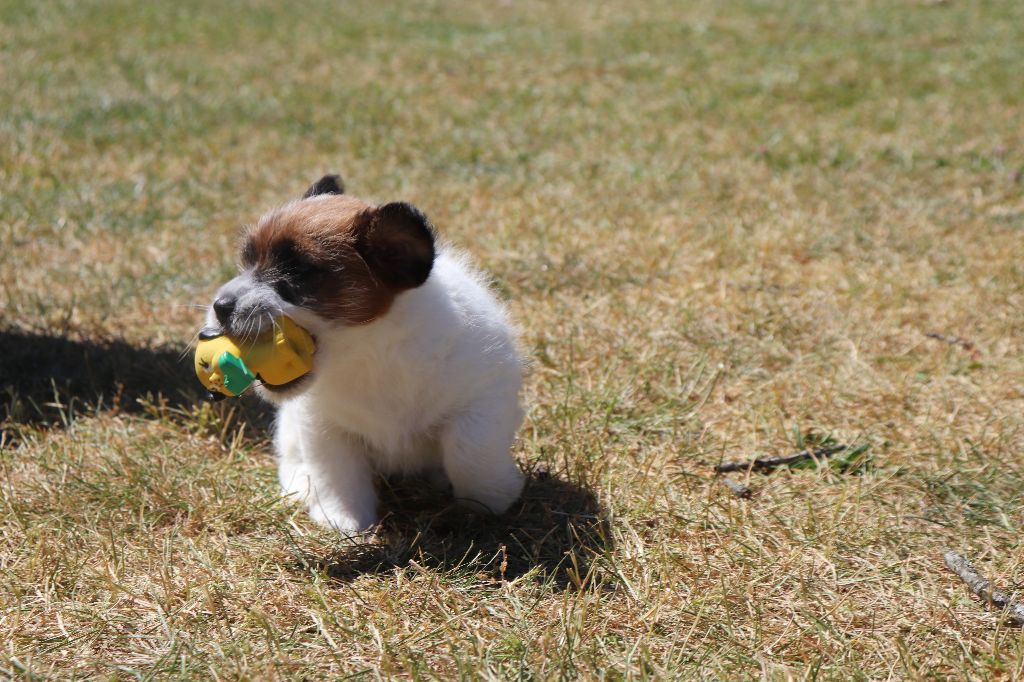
x: 227, y: 368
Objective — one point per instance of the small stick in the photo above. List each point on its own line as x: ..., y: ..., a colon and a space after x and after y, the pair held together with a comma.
x: 983, y: 589
x: 737, y: 488
x: 966, y: 344
x: 769, y: 463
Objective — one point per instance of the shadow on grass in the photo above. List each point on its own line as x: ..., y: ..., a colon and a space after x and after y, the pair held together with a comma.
x: 556, y: 527
x: 46, y: 379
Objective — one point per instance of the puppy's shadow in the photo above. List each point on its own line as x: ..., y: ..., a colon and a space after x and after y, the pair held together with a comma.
x: 556, y: 529
x: 47, y: 379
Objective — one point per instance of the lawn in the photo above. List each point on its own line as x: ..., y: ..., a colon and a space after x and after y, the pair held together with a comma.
x: 726, y: 230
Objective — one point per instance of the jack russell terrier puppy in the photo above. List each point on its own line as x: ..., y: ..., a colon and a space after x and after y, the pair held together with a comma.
x: 416, y: 368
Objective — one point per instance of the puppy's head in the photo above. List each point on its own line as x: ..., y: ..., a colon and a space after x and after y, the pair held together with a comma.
x: 326, y: 260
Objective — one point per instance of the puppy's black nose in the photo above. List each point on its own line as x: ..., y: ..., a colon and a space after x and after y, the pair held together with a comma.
x: 223, y: 306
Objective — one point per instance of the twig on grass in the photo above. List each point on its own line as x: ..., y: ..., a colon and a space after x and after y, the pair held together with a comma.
x: 738, y: 489
x: 769, y: 463
x: 966, y: 344
x: 982, y: 588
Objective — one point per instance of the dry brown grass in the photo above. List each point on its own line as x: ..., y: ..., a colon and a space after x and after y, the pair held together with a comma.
x: 725, y: 228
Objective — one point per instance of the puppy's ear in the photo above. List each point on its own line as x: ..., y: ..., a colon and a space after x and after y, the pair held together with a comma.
x: 328, y: 184
x: 397, y: 242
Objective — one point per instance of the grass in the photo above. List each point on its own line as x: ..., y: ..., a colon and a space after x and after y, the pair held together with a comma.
x: 725, y: 229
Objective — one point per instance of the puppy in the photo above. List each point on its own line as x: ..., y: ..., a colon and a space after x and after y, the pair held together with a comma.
x: 416, y: 368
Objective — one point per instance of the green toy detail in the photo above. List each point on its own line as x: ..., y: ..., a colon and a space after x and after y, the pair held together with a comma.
x: 277, y: 358
x: 237, y: 376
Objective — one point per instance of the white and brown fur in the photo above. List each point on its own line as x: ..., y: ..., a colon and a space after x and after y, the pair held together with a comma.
x: 416, y: 368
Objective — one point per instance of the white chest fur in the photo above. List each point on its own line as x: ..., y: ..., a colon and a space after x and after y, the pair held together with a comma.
x: 433, y: 383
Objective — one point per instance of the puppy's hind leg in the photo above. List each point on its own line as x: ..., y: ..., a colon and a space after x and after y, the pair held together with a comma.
x: 327, y: 471
x: 476, y: 447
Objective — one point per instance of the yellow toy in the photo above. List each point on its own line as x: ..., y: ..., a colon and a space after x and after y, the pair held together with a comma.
x: 227, y: 368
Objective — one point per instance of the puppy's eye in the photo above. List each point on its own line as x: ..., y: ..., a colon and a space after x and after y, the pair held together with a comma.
x: 286, y: 290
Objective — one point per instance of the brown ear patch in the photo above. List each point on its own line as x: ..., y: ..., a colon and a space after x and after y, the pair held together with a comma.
x: 398, y: 245
x: 339, y: 257
x: 328, y: 184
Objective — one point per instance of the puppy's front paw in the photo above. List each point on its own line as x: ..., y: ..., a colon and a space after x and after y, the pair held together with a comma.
x: 493, y: 496
x: 346, y: 523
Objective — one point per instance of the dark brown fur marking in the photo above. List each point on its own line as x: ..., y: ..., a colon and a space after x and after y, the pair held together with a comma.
x: 328, y: 184
x: 340, y: 257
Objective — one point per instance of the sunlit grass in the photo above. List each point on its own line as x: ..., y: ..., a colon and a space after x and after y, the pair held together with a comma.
x: 724, y: 228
